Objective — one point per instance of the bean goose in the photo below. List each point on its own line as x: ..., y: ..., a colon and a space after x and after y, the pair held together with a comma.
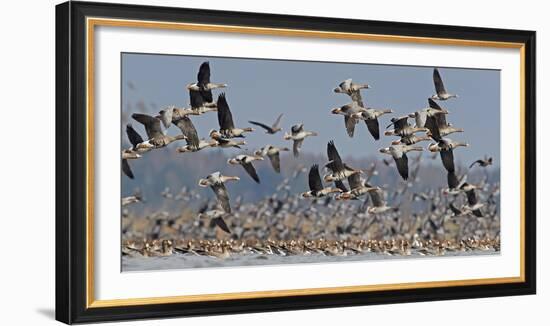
x: 216, y: 181
x: 225, y: 120
x: 246, y: 162
x: 298, y: 134
x: 349, y: 111
x: 399, y: 154
x: 370, y: 116
x: 440, y: 91
x: 316, y: 188
x: 437, y: 124
x: 273, y: 129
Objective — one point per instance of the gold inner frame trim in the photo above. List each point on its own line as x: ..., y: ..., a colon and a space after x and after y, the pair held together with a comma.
x: 92, y: 22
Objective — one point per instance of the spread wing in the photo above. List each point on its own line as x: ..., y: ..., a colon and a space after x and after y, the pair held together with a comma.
x: 297, y: 128
x: 222, y: 195
x: 354, y: 180
x: 340, y: 185
x: 166, y: 117
x: 334, y: 157
x: 356, y: 97
x: 196, y: 99
x: 276, y: 123
x: 350, y: 125
x: 314, y: 178
x: 438, y: 83
x: 259, y: 124
x: 203, y: 77
x: 225, y: 119
x: 452, y: 180
x: 296, y: 147
x: 152, y: 124
x: 188, y: 129
x: 455, y: 210
x: 374, y: 128
x: 126, y: 169
x: 218, y: 221
x: 133, y: 135
x: 275, y: 160
x: 249, y: 168
x: 376, y: 197
x: 447, y: 158
x: 402, y: 164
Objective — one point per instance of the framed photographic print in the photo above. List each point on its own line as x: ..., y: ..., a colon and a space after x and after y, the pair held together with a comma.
x: 213, y: 162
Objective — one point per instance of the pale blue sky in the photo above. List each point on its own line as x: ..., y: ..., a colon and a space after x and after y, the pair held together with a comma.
x: 261, y: 89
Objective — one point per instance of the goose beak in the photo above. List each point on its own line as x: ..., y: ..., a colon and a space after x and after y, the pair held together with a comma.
x: 336, y: 110
x: 203, y: 183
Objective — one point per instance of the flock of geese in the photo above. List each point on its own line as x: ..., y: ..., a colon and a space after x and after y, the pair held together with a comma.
x: 340, y: 182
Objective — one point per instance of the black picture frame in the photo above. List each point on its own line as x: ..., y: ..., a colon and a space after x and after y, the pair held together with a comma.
x: 71, y: 158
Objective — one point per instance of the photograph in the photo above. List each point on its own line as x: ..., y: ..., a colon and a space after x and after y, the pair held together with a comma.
x: 231, y: 161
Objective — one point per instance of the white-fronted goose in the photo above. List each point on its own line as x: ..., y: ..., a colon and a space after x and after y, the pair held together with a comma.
x: 298, y: 134
x: 484, y: 162
x: 316, y: 188
x: 379, y: 205
x: 402, y: 128
x: 246, y: 162
x: 203, y: 85
x: 399, y: 154
x: 437, y: 124
x: 445, y: 147
x: 411, y: 139
x: 273, y: 153
x: 422, y: 115
x: 358, y: 187
x: 349, y: 111
x: 225, y: 142
x: 340, y: 170
x: 216, y: 219
x: 370, y: 116
x: 225, y: 120
x: 216, y: 181
x: 203, y: 143
x: 157, y: 138
x: 352, y: 89
x: 441, y: 92
x: 273, y: 129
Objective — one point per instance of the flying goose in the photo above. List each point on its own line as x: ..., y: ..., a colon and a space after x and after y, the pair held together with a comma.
x: 437, y: 124
x: 471, y: 196
x: 203, y: 143
x: 225, y: 120
x: 401, y: 127
x: 399, y: 154
x: 340, y: 170
x: 358, y: 187
x: 157, y: 138
x: 370, y: 116
x: 216, y: 181
x: 349, y: 111
x: 445, y: 147
x: 216, y: 219
x: 484, y: 162
x: 246, y: 162
x: 203, y: 85
x: 273, y: 129
x: 352, y: 89
x: 422, y: 115
x: 316, y: 188
x: 298, y: 134
x: 411, y: 139
x: 273, y: 153
x: 379, y: 206
x: 441, y: 93
x: 225, y: 142
x: 133, y: 152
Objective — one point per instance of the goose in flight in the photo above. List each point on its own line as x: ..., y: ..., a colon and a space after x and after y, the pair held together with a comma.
x: 471, y: 196
x: 358, y: 187
x: 340, y: 170
x: 153, y: 128
x: 484, y: 162
x: 411, y: 139
x: 225, y: 142
x: 370, y: 116
x: 316, y: 188
x: 298, y: 134
x: 349, y: 112
x: 352, y: 89
x: 133, y: 152
x: 203, y: 85
x: 445, y: 147
x: 273, y: 129
x: 273, y: 153
x: 379, y: 205
x: 216, y: 219
x: 401, y: 127
x: 437, y: 124
x: 399, y: 154
x: 203, y: 143
x: 246, y: 162
x: 422, y: 115
x: 440, y: 91
x: 216, y: 181
x: 225, y: 120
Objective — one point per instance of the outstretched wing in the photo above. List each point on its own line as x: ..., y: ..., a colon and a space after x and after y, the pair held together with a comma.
x: 275, y: 162
x: 249, y: 168
x: 218, y: 221
x: 340, y: 185
x: 276, y: 123
x: 133, y: 135
x: 402, y: 164
x: 447, y: 158
x: 196, y: 99
x: 259, y: 124
x: 296, y: 147
x: 126, y: 169
x: 166, y: 117
x: 188, y: 129
x: 225, y: 118
x: 374, y: 128
x: 152, y: 124
x: 438, y: 83
x: 334, y: 157
x: 314, y: 179
x: 452, y: 180
x: 350, y: 125
x: 222, y: 195
x: 203, y: 77
x: 356, y: 97
x: 354, y: 181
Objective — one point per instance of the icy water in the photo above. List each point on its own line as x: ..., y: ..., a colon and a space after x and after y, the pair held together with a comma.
x: 180, y: 261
